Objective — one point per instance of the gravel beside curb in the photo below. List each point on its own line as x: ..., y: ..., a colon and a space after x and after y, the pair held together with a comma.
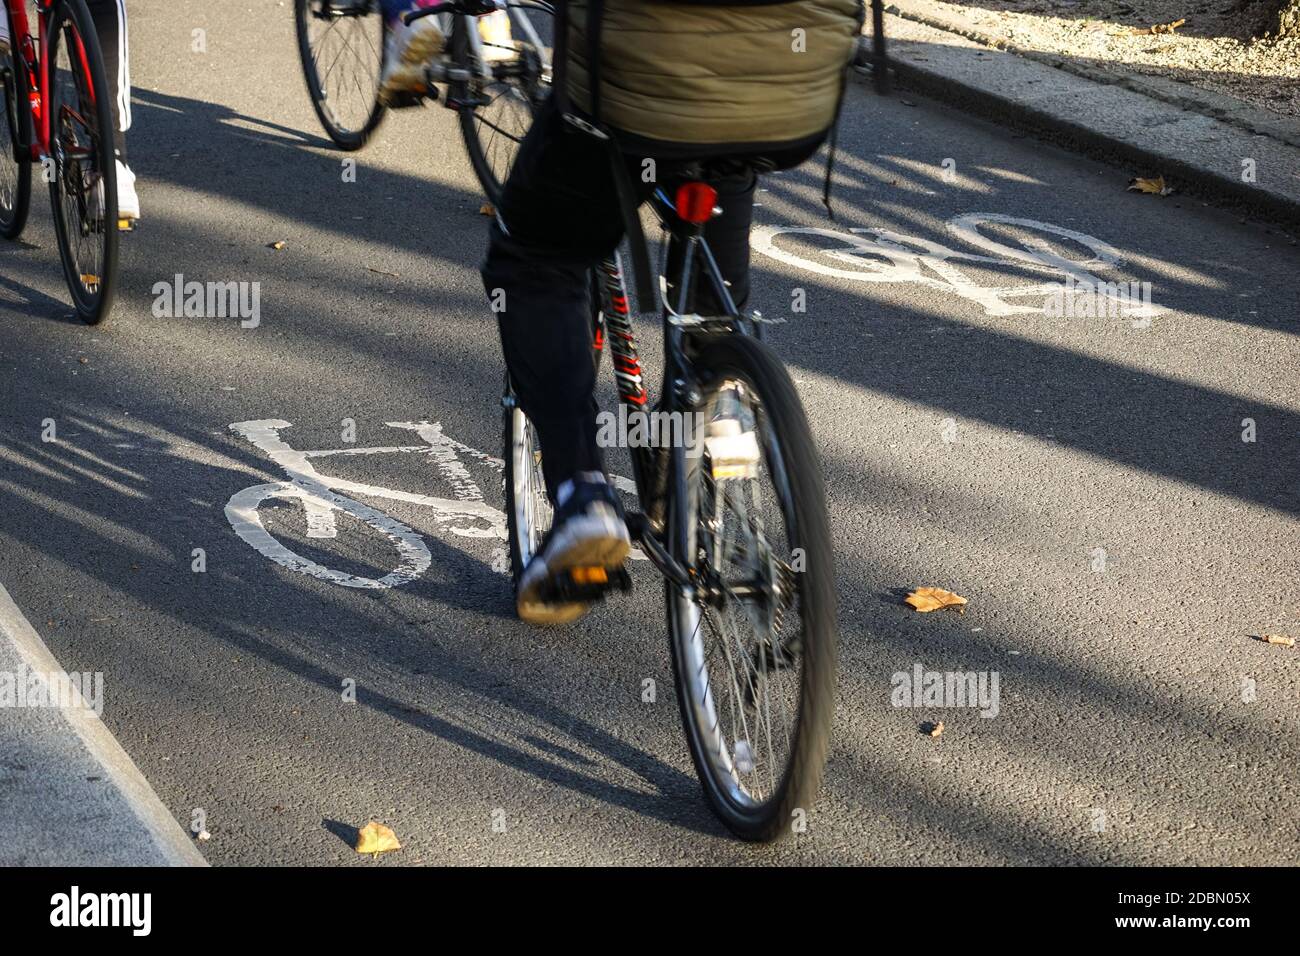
x: 1227, y: 109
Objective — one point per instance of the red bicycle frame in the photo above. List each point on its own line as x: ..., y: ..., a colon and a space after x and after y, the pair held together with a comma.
x: 32, y: 55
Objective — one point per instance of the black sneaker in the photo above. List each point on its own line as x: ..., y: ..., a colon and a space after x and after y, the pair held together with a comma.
x: 589, y: 539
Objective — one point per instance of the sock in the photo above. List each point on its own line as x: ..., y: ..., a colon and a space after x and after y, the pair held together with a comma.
x: 565, y: 491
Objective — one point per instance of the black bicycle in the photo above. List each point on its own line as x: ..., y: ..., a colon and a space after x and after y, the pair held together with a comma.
x: 494, y: 83
x: 734, y: 517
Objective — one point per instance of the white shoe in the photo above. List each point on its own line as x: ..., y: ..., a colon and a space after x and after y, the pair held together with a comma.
x: 588, y: 541
x: 128, y: 203
x: 409, y: 49
x: 494, y: 29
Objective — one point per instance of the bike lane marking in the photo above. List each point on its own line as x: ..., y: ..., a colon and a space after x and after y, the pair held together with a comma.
x: 882, y: 255
x: 320, y: 497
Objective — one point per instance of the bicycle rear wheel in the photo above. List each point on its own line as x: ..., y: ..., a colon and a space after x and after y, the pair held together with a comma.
x: 341, y: 45
x: 15, y: 163
x: 495, y: 113
x: 83, y: 193
x: 754, y: 638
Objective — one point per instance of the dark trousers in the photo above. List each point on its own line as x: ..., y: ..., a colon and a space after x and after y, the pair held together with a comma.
x: 561, y: 217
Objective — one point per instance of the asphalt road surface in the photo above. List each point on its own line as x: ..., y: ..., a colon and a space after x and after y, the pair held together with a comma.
x: 1086, y: 482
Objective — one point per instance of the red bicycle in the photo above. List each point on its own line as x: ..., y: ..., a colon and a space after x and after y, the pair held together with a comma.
x: 57, y: 115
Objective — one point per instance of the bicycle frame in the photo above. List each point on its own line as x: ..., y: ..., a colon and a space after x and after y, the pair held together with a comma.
x: 32, y: 55
x: 680, y: 390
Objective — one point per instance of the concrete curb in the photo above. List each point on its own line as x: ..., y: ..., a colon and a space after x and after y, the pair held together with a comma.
x: 1228, y: 109
x: 83, y: 732
x: 1117, y: 121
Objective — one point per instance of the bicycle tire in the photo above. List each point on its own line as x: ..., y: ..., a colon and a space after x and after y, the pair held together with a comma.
x: 15, y: 112
x: 487, y: 176
x: 345, y: 137
x: 738, y: 357
x: 91, y: 306
x: 518, y: 448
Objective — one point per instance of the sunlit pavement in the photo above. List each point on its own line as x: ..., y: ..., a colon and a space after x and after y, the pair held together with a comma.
x: 1116, y: 496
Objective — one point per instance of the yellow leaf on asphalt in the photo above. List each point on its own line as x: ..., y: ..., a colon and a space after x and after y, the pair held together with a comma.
x: 1159, y: 28
x: 487, y: 209
x: 933, y: 599
x: 278, y: 244
x: 1155, y: 187
x: 935, y: 729
x: 1278, y: 639
x: 376, y: 838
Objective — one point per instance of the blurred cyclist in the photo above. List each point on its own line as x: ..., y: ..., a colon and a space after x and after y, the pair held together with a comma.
x: 409, y: 49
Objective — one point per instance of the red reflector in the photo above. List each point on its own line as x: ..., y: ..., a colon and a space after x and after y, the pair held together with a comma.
x: 695, y: 201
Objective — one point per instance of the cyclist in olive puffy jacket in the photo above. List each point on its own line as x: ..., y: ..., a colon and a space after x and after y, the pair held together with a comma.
x: 677, y: 81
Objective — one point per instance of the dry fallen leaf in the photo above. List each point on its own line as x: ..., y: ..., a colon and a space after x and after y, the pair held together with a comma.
x: 933, y: 730
x: 1159, y: 28
x: 1155, y: 187
x: 278, y: 244
x: 1278, y: 639
x: 376, y: 838
x: 487, y: 209
x: 933, y: 599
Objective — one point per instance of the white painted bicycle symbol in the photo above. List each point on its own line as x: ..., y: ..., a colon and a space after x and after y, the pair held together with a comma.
x: 323, y: 497
x: 882, y: 255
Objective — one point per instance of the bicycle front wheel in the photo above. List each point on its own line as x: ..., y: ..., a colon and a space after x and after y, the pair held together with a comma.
x: 497, y: 110
x: 754, y: 637
x: 15, y: 161
x: 83, y: 192
x: 341, y: 45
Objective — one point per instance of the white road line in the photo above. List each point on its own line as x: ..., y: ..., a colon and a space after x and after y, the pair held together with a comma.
x: 119, y: 768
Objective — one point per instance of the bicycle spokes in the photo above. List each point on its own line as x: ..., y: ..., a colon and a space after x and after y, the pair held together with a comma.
x: 347, y: 56
x: 501, y: 121
x: 507, y: 61
x: 748, y: 637
x: 82, y: 155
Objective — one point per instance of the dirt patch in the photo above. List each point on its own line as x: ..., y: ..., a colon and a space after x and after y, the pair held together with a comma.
x: 1218, y: 47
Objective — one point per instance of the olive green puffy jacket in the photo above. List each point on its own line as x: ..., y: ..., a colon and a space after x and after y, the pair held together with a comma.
x: 710, y: 75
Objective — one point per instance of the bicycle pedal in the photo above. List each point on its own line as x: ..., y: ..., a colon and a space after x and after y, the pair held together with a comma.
x: 585, y: 584
x: 406, y: 99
